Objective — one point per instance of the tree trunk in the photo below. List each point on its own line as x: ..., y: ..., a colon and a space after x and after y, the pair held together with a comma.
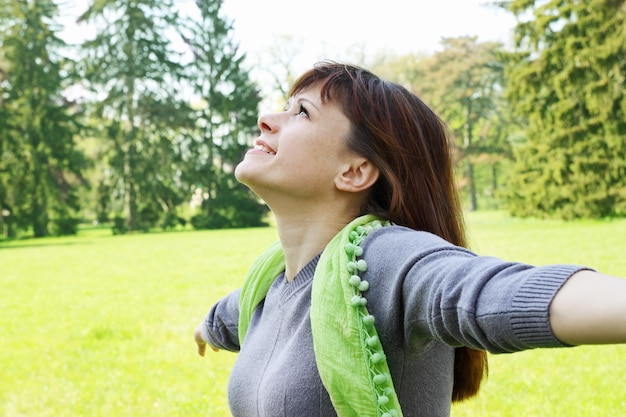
x: 494, y: 183
x: 469, y: 167
x: 130, y: 199
x: 471, y: 187
x: 39, y: 204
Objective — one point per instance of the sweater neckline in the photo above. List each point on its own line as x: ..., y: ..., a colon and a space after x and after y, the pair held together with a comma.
x: 303, y: 277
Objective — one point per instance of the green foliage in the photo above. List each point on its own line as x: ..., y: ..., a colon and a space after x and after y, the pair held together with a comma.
x: 567, y: 78
x: 463, y: 83
x: 233, y: 207
x: 40, y: 166
x: 171, y: 220
x: 227, y: 115
x: 64, y: 227
x: 119, y: 225
x: 156, y: 144
x: 150, y: 143
x: 132, y: 64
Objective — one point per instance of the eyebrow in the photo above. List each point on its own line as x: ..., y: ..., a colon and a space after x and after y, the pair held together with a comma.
x: 303, y: 99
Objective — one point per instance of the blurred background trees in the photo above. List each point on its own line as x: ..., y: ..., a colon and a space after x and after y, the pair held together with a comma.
x: 464, y: 84
x: 139, y: 123
x: 133, y: 77
x: 41, y: 165
x: 129, y: 126
x: 225, y: 122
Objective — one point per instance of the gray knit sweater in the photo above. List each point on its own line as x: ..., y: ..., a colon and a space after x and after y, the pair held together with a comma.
x: 427, y: 296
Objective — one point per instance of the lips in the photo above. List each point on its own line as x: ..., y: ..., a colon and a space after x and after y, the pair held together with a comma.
x: 265, y: 149
x: 261, y: 146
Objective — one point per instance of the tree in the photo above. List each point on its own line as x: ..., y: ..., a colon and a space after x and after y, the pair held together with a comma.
x: 464, y: 85
x: 567, y: 78
x: 277, y: 63
x: 226, y: 113
x: 134, y: 75
x: 39, y: 151
x: 5, y: 155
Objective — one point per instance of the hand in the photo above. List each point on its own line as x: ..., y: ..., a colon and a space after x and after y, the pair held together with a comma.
x: 200, y: 341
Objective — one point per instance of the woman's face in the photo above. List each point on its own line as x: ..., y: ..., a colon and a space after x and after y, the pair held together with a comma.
x: 299, y: 151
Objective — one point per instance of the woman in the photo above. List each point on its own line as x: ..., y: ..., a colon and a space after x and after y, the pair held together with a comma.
x: 369, y: 304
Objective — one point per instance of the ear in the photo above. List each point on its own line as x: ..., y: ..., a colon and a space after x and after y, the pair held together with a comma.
x: 359, y: 175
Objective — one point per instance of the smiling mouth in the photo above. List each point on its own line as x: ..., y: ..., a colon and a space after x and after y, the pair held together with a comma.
x: 264, y: 149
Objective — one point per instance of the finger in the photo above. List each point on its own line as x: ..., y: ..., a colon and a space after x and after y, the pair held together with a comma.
x: 201, y: 348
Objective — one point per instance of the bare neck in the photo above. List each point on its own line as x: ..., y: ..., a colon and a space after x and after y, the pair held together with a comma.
x: 304, y: 236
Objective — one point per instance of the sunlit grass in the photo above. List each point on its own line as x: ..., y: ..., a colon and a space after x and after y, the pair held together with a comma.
x: 97, y: 325
x: 582, y: 381
x: 103, y: 326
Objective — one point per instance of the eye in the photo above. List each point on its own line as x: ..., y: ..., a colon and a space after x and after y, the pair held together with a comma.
x: 303, y: 111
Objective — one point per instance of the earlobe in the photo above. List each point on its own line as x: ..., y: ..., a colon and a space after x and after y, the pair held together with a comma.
x: 358, y: 176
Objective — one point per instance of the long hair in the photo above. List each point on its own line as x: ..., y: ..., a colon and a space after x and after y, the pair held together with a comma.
x: 408, y: 143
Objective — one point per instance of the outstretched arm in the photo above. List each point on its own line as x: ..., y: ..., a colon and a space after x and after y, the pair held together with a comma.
x: 590, y: 308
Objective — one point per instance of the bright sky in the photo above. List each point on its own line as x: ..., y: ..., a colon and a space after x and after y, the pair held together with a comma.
x: 330, y: 28
x: 342, y: 30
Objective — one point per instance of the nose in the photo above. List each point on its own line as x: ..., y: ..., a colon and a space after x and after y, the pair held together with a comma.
x: 267, y: 123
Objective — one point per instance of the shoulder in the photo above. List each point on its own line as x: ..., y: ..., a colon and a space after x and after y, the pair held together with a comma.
x: 398, y: 237
x: 398, y: 245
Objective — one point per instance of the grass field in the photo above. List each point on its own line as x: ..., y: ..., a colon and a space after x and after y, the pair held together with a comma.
x: 97, y: 325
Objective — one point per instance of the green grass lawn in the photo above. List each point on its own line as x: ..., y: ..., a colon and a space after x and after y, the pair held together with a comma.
x: 587, y: 381
x: 100, y: 325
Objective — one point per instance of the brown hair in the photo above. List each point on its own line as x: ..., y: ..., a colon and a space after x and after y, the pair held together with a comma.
x: 408, y: 143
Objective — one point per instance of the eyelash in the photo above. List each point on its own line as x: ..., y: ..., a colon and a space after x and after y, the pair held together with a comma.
x: 303, y: 110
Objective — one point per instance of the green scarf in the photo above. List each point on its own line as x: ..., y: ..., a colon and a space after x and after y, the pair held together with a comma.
x: 349, y: 356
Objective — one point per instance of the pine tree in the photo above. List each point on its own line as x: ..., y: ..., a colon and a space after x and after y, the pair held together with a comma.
x: 567, y: 78
x: 226, y: 117
x: 134, y: 74
x: 6, y: 152
x: 40, y: 154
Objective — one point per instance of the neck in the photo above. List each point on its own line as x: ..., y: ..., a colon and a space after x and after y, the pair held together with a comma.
x: 304, y: 236
x: 306, y: 225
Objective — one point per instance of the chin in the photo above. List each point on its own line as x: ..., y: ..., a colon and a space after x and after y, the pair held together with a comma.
x: 240, y: 170
x: 242, y: 174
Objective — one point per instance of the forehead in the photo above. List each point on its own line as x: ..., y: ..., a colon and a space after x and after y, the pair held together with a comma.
x: 315, y: 93
x: 311, y: 92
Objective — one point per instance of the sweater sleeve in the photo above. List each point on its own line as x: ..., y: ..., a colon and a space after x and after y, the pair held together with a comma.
x: 444, y: 292
x: 221, y: 323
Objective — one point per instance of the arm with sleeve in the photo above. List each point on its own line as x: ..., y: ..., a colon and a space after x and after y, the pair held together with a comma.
x: 449, y: 293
